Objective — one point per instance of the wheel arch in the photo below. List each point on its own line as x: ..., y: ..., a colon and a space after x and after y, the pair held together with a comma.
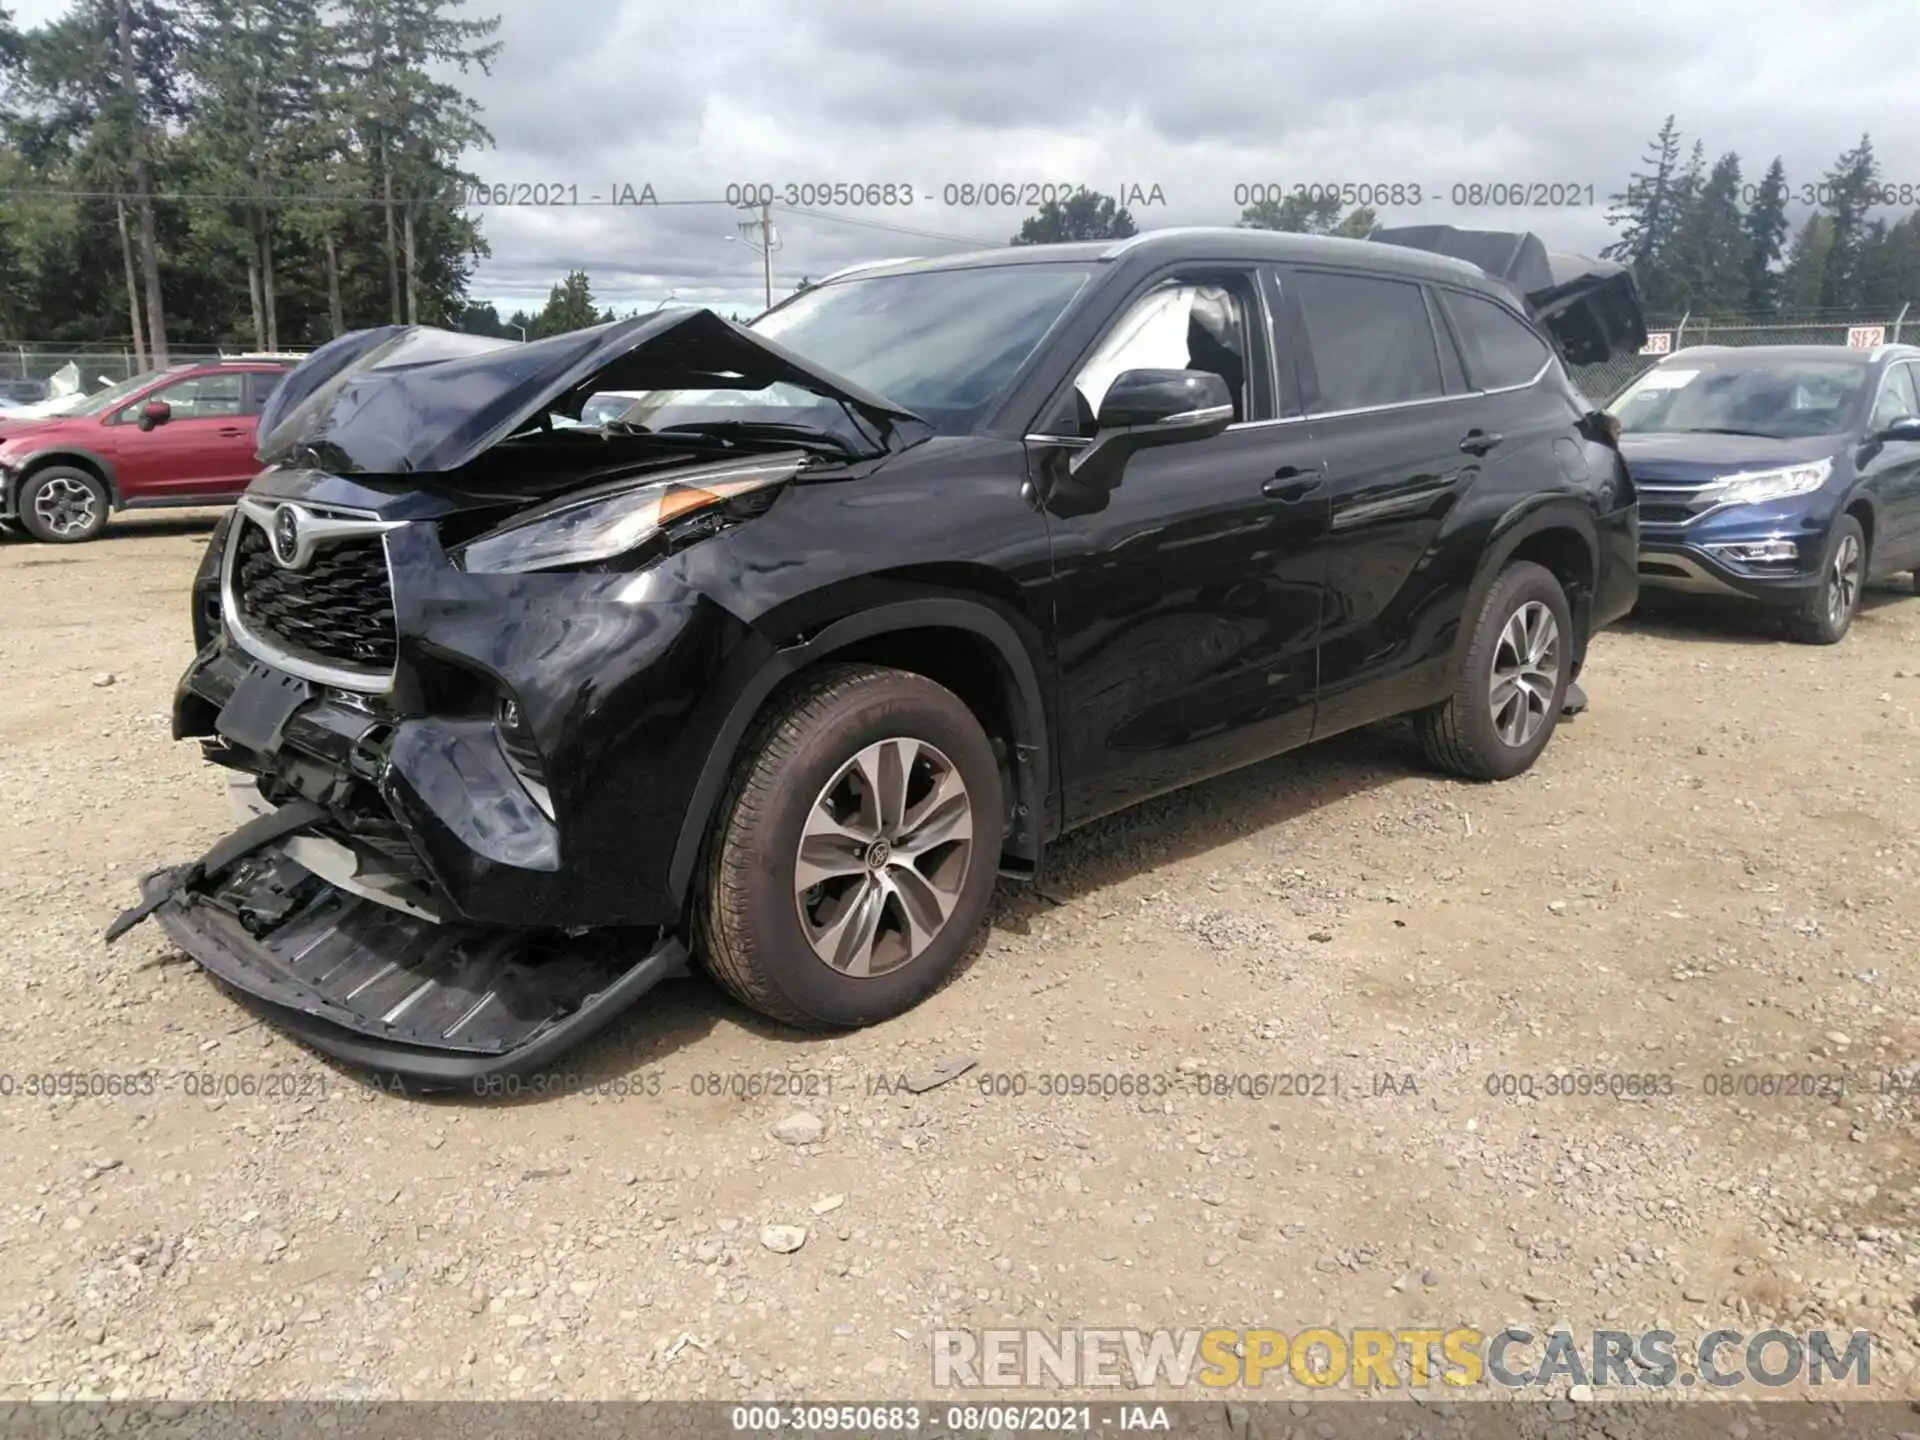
x: 985, y: 662
x: 1556, y: 533
x: 1861, y: 507
x: 72, y: 457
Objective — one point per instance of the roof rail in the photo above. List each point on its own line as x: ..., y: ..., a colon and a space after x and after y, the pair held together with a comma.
x: 1122, y: 246
x: 864, y: 265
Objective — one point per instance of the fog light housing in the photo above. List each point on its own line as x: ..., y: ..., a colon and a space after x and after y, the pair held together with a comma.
x: 523, y: 756
x: 1758, y: 552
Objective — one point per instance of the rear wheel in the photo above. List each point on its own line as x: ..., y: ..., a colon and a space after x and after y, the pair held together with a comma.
x: 1828, y: 613
x: 1512, y: 685
x: 61, y: 506
x: 855, y: 853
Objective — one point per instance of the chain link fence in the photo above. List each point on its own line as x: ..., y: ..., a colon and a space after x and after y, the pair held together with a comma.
x: 98, y: 364
x: 1601, y: 383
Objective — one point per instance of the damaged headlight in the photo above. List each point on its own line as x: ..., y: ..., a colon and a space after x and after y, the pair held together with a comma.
x: 1757, y: 486
x: 581, y: 530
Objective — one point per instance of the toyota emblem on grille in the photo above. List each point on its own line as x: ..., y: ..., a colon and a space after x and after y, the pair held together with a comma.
x: 286, y: 536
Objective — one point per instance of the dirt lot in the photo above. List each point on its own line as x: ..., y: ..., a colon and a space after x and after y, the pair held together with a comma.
x: 1711, y: 872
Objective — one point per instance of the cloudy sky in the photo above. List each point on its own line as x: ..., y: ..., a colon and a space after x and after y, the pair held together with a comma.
x: 1195, y: 99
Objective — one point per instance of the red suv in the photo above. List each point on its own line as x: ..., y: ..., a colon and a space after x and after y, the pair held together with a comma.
x: 179, y: 436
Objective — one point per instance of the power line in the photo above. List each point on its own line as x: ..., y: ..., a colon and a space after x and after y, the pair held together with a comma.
x: 23, y: 192
x: 971, y: 240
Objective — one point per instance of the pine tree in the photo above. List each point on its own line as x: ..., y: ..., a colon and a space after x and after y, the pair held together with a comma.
x: 1892, y: 266
x: 257, y: 95
x: 1806, y: 266
x: 1084, y: 215
x: 1764, y: 233
x: 412, y: 125
x: 1850, y: 191
x: 569, y: 307
x: 1644, y: 212
x: 1703, y: 269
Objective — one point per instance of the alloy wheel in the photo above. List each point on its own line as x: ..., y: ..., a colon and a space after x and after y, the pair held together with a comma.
x: 1843, y: 580
x: 1526, y: 673
x: 65, y: 507
x: 883, y: 857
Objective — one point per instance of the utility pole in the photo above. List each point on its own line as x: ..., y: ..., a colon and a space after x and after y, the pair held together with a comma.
x: 768, y: 242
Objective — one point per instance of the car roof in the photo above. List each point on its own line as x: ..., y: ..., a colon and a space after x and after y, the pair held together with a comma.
x: 1200, y: 243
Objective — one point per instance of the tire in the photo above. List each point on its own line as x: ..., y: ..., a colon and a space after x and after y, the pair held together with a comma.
x: 1463, y: 735
x: 63, y: 506
x: 1828, y: 615
x: 804, y: 766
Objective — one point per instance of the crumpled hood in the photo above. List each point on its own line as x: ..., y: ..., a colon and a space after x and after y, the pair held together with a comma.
x: 1590, y: 306
x: 408, y: 399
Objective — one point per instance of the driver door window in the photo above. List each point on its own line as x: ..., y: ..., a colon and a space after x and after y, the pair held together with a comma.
x: 200, y: 397
x: 1180, y: 325
x: 1898, y: 399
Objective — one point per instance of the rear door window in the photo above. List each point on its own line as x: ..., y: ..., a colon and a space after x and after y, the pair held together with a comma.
x: 1499, y: 348
x: 1370, y: 339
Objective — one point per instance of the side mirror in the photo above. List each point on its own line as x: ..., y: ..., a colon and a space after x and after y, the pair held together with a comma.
x: 1906, y: 428
x: 155, y: 412
x: 1186, y: 404
x: 1146, y: 408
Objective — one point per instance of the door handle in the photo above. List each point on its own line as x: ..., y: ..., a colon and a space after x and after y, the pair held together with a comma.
x: 232, y: 430
x: 1291, y: 484
x: 1479, y: 442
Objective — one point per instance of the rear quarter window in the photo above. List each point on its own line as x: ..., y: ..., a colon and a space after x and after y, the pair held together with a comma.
x: 1499, y: 349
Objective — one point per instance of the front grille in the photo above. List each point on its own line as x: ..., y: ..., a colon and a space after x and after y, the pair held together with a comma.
x: 1667, y: 503
x: 1665, y: 514
x: 339, y: 609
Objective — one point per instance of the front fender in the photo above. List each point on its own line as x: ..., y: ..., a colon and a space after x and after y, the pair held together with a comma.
x: 19, y: 466
x: 1026, y: 707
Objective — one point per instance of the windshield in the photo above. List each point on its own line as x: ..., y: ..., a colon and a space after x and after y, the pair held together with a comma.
x: 103, y: 400
x: 1781, y: 400
x: 943, y: 344
x: 606, y: 405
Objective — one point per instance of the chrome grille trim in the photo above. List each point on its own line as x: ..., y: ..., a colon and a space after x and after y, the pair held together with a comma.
x: 329, y: 524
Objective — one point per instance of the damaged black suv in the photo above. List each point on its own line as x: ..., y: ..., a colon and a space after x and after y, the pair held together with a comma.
x: 859, y: 607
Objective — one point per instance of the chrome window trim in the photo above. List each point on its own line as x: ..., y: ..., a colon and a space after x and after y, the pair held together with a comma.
x: 1538, y: 375
x: 340, y: 523
x: 1042, y: 439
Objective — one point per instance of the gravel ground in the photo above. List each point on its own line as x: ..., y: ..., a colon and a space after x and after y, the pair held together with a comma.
x: 1710, y: 872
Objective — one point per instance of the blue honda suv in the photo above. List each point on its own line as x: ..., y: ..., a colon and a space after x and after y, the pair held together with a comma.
x: 1784, y: 474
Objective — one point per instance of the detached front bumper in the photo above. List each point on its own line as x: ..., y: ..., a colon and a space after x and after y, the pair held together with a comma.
x: 433, y: 1006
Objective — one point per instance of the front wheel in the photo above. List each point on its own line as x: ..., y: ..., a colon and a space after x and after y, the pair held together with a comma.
x: 62, y: 506
x: 855, y: 853
x: 1512, y: 685
x: 1828, y: 613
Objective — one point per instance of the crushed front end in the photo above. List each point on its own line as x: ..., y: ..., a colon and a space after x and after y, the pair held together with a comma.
x: 466, y: 670
x: 399, y: 893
